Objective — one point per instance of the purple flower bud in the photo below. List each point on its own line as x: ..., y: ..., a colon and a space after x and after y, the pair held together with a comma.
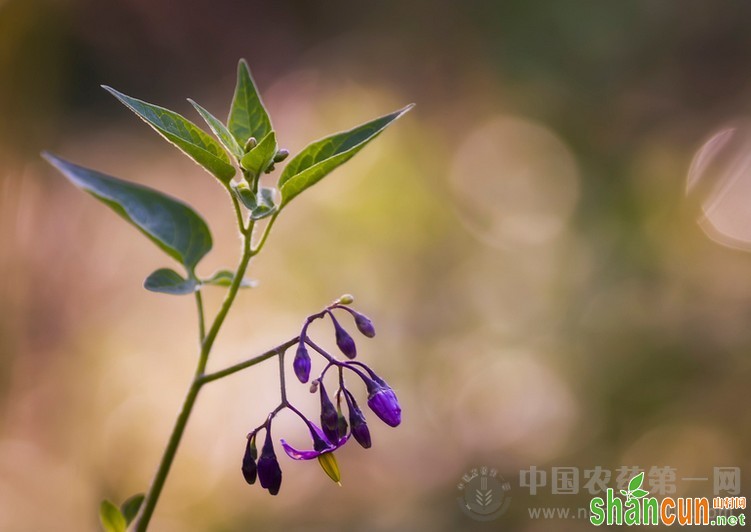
x: 302, y: 363
x: 269, y: 472
x: 382, y: 400
x: 341, y: 422
x: 343, y: 340
x: 249, y: 460
x: 329, y: 416
x: 364, y: 325
x: 357, y: 421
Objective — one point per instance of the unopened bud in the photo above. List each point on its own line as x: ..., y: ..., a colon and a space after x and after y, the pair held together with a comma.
x: 250, y: 144
x: 249, y: 469
x: 345, y: 299
x: 344, y: 341
x: 281, y: 155
x: 301, y: 364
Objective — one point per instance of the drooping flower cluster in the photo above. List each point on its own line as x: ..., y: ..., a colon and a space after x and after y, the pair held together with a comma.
x: 335, y: 428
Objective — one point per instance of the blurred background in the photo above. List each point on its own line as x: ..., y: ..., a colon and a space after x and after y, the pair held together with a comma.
x: 545, y: 291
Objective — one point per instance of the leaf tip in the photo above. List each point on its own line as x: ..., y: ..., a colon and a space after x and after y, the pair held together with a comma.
x: 52, y: 159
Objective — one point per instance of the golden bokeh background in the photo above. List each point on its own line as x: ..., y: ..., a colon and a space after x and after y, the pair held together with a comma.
x: 545, y: 292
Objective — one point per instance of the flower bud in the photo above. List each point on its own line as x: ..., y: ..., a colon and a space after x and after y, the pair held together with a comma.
x: 383, y: 402
x: 314, y: 386
x: 343, y: 340
x: 250, y: 144
x: 329, y: 416
x: 249, y: 468
x: 341, y: 422
x: 357, y: 422
x: 269, y: 472
x: 301, y: 364
x: 345, y: 299
x: 364, y: 325
x: 281, y: 155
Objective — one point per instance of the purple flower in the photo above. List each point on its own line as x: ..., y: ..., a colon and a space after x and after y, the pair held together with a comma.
x: 302, y: 362
x: 321, y: 445
x: 329, y: 415
x: 249, y: 468
x: 343, y: 340
x: 269, y: 472
x: 359, y: 428
x: 382, y: 400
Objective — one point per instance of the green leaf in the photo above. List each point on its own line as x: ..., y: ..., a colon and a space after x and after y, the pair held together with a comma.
x: 111, y: 518
x: 321, y: 157
x: 188, y: 137
x: 259, y: 207
x: 131, y: 506
x: 221, y: 132
x: 260, y: 157
x: 225, y: 278
x: 166, y: 281
x: 247, y: 116
x: 244, y: 194
x: 265, y: 205
x: 169, y: 223
x: 626, y: 493
x: 635, y: 482
x: 639, y: 493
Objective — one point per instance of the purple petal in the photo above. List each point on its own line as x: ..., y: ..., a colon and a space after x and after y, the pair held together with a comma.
x: 299, y: 455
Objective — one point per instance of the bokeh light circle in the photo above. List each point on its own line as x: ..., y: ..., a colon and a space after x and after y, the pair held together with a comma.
x: 514, y: 183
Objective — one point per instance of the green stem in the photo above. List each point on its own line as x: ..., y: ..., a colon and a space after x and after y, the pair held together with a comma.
x: 200, y: 378
x: 149, y: 503
x: 250, y: 362
x: 265, y: 234
x: 152, y: 496
x: 201, y: 322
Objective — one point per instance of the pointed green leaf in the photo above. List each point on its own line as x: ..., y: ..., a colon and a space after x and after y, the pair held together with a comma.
x: 260, y: 157
x: 626, y: 493
x: 247, y: 116
x: 220, y: 131
x: 169, y: 223
x: 111, y: 518
x: 188, y: 137
x: 166, y: 281
x: 639, y: 493
x: 131, y: 506
x: 225, y: 278
x: 635, y: 482
x: 321, y: 157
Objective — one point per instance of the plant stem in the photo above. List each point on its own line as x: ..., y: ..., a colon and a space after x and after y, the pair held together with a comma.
x: 200, y: 378
x: 149, y: 503
x: 201, y: 322
x: 250, y: 362
x: 282, y: 380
